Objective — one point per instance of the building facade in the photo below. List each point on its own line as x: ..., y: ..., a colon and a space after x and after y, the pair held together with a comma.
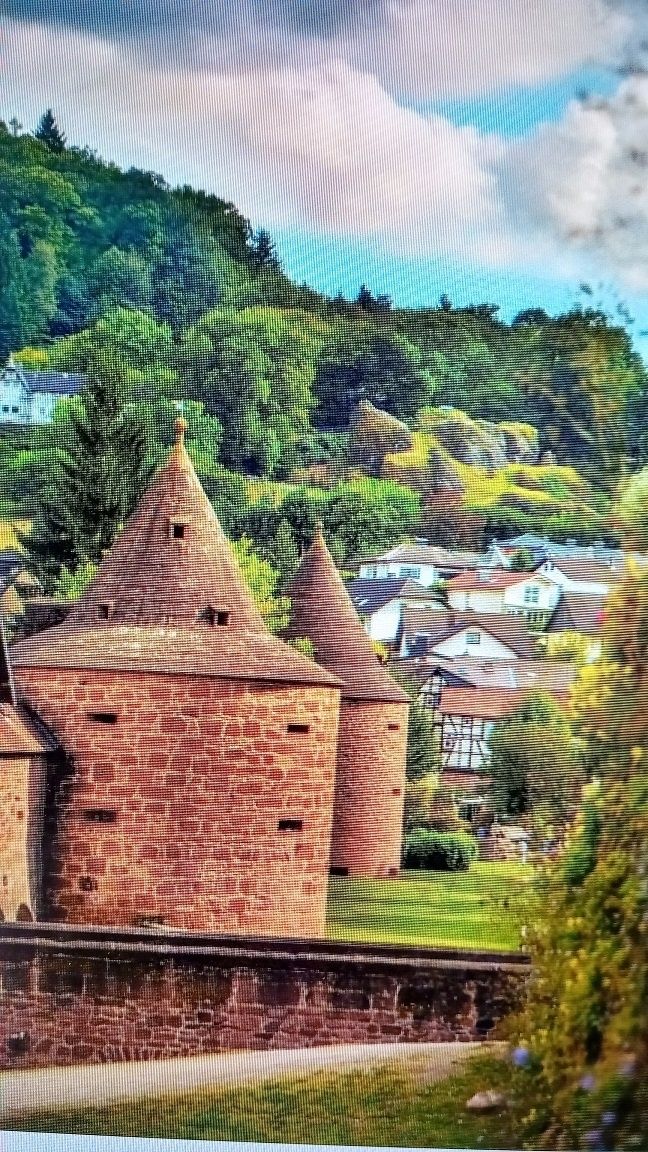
x: 197, y: 777
x: 29, y: 397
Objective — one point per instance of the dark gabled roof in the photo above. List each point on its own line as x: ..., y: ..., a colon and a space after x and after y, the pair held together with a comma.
x: 590, y: 568
x: 54, y: 383
x: 578, y: 613
x: 323, y: 612
x: 155, y: 601
x: 435, y: 627
x: 368, y: 596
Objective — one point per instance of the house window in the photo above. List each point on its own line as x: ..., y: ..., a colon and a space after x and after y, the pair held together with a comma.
x: 105, y: 611
x: 299, y: 729
x: 290, y: 825
x: 473, y: 636
x: 177, y: 530
x: 5, y: 407
x: 218, y: 618
x: 15, y: 408
x: 448, y: 743
x: 531, y: 594
x: 412, y: 572
x: 103, y: 717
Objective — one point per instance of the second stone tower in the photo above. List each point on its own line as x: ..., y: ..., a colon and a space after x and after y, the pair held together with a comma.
x: 372, y: 734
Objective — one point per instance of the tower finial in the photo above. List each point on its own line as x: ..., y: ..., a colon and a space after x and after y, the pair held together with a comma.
x: 180, y: 429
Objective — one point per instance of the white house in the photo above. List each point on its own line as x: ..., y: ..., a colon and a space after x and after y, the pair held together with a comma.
x: 380, y: 605
x: 426, y: 563
x: 30, y: 397
x: 529, y: 594
x: 468, y: 716
x: 453, y: 634
x: 583, y: 577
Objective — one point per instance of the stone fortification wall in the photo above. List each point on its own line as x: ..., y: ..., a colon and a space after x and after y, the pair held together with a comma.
x: 22, y: 798
x: 103, y: 997
x: 370, y: 788
x: 200, y: 803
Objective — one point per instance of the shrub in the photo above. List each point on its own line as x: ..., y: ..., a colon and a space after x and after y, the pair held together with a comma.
x: 439, y: 851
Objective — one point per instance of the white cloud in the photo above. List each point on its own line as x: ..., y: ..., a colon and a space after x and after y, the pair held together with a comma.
x: 319, y: 142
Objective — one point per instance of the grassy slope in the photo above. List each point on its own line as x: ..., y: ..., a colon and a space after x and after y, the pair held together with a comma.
x: 475, y: 909
x: 390, y: 1106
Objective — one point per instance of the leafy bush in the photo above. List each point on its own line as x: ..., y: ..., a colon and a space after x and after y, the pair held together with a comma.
x: 439, y: 851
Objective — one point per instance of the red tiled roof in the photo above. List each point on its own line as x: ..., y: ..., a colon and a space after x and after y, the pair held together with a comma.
x: 578, y: 614
x: 490, y: 579
x: 322, y: 610
x: 589, y: 568
x: 486, y: 703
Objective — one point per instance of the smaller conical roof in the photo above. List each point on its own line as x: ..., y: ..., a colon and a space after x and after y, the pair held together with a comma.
x: 323, y: 612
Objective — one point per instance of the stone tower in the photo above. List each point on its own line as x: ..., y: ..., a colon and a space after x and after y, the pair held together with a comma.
x: 201, y: 749
x: 372, y: 741
x: 24, y: 748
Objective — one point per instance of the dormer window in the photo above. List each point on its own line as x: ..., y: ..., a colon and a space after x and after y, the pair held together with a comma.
x: 106, y: 609
x: 177, y: 530
x: 217, y: 617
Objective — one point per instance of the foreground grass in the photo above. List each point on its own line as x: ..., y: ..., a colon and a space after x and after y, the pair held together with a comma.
x: 394, y: 1106
x: 475, y: 909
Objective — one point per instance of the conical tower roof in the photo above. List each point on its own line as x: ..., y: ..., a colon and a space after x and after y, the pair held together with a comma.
x: 322, y: 611
x: 170, y: 597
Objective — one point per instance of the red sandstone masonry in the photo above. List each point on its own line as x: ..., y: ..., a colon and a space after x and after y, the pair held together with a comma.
x: 198, y: 773
x: 370, y: 788
x: 61, y: 1009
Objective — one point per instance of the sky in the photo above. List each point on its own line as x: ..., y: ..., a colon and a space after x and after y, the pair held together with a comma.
x: 492, y: 150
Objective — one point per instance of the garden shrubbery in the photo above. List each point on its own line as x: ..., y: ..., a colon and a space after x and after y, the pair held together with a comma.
x: 439, y: 851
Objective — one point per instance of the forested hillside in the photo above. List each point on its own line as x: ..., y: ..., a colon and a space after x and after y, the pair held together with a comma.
x: 164, y: 296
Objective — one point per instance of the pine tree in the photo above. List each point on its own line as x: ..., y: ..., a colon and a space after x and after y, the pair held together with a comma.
x: 95, y: 487
x: 49, y: 133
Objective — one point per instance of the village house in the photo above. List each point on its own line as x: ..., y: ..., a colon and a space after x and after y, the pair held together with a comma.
x: 427, y: 564
x: 468, y: 715
x: 529, y: 594
x: 451, y: 634
x: 17, y: 584
x: 380, y: 605
x: 583, y: 615
x: 583, y: 576
x: 29, y: 397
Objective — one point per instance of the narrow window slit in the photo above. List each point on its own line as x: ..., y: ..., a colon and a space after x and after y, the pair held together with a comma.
x: 290, y: 826
x: 100, y: 815
x: 301, y: 729
x: 103, y: 717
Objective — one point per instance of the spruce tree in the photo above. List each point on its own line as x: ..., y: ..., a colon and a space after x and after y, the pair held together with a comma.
x: 49, y: 133
x: 95, y: 486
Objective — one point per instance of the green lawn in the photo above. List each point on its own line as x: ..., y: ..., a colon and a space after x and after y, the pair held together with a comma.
x: 390, y: 1106
x: 475, y: 909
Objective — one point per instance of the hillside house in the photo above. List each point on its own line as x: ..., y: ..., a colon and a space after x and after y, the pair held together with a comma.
x: 529, y: 594
x: 581, y: 614
x: 16, y: 584
x: 583, y: 577
x: 29, y: 397
x: 380, y: 605
x: 465, y: 634
x: 427, y: 564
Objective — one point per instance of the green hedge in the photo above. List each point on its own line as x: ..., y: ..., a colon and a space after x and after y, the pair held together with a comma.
x: 439, y: 851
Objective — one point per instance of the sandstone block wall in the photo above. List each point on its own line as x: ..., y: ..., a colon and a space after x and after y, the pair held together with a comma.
x: 200, y: 803
x: 66, y: 1008
x: 370, y: 788
x: 22, y: 798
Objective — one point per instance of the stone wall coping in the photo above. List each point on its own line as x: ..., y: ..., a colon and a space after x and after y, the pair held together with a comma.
x: 175, y: 945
